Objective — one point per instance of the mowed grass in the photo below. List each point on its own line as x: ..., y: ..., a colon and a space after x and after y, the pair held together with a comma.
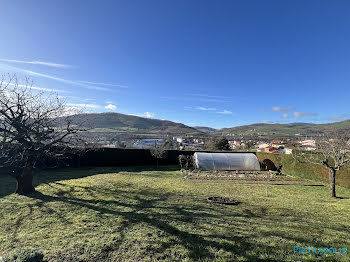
x: 145, y: 214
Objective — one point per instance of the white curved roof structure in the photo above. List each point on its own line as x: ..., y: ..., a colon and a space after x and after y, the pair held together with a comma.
x: 226, y: 161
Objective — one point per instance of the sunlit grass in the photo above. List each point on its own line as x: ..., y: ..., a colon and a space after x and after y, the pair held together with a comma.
x: 121, y: 214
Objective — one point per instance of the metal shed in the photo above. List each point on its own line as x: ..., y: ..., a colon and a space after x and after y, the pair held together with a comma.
x: 226, y: 161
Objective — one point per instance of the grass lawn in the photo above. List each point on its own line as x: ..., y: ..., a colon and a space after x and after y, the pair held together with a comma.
x: 133, y: 214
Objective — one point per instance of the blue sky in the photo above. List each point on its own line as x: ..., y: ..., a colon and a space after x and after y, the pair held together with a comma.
x: 209, y: 63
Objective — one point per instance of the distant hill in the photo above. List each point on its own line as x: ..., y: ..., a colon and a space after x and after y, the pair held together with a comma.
x: 292, y: 129
x: 128, y: 124
x: 205, y: 129
x: 115, y: 122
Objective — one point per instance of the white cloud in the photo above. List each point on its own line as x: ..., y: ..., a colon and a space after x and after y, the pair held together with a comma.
x: 102, y: 84
x: 225, y: 112
x: 146, y: 114
x: 94, y: 106
x: 285, y: 115
x: 282, y: 109
x: 266, y: 122
x: 149, y: 114
x: 205, y: 108
x: 111, y: 107
x: 50, y: 64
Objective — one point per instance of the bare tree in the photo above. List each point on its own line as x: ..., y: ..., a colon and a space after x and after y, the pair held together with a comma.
x: 31, y: 130
x: 158, y: 151
x: 332, y: 151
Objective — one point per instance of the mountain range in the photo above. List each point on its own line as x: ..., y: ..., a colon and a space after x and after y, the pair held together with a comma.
x: 291, y: 129
x: 121, y: 123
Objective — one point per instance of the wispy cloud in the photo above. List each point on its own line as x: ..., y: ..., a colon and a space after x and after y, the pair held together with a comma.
x: 102, y: 84
x: 301, y: 114
x: 205, y: 95
x: 59, y: 79
x: 79, y: 98
x: 285, y: 115
x: 36, y: 88
x: 205, y: 108
x: 212, y: 100
x: 111, y: 107
x: 339, y: 117
x: 225, y: 112
x: 89, y: 99
x: 208, y: 98
x: 93, y: 106
x: 282, y: 109
x: 67, y: 81
x: 198, y: 98
x: 50, y: 64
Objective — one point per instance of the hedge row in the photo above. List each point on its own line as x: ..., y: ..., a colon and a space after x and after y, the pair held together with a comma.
x: 134, y: 157
x: 127, y: 157
x: 307, y: 171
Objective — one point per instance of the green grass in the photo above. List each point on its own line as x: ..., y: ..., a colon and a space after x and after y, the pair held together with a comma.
x: 133, y: 214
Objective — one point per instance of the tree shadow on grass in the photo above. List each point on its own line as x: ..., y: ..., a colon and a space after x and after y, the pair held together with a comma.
x: 158, y: 210
x: 142, y: 211
x: 8, y: 184
x: 180, y: 221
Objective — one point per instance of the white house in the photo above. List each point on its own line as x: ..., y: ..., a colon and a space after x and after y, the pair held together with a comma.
x: 308, y: 142
x: 178, y: 139
x: 263, y: 145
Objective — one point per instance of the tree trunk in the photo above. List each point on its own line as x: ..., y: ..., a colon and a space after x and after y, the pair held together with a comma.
x: 24, y: 184
x: 332, y: 173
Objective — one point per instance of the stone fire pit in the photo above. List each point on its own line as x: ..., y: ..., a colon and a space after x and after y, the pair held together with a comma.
x: 222, y: 200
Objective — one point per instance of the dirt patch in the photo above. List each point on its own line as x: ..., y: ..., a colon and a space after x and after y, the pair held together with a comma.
x: 222, y: 200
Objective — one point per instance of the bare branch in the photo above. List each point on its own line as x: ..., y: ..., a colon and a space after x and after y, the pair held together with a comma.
x: 33, y: 126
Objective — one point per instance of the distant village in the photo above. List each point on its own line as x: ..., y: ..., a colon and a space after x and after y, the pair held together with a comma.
x: 190, y: 143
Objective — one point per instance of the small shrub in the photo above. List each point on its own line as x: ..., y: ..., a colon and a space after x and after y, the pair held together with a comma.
x: 186, y: 162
